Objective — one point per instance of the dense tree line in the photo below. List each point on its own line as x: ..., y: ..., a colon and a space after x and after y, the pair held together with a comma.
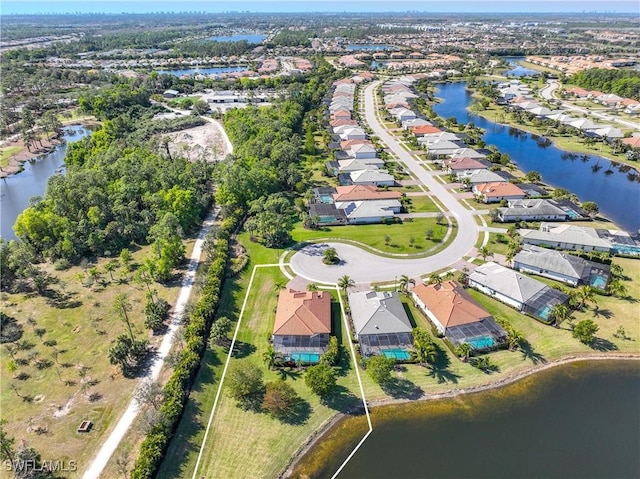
x: 118, y: 190
x: 624, y: 83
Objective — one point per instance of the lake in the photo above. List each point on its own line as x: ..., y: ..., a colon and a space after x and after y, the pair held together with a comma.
x: 611, y: 189
x: 518, y: 70
x: 356, y: 47
x: 204, y: 71
x: 16, y: 190
x: 580, y: 420
x: 254, y: 38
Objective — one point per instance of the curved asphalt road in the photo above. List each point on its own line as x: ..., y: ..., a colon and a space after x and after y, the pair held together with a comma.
x: 364, y: 267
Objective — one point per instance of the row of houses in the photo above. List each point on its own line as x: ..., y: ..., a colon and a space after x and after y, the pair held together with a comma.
x: 356, y: 157
x: 519, y: 97
x: 581, y: 238
x: 610, y: 100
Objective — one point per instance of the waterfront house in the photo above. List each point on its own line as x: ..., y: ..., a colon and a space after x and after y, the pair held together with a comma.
x: 568, y: 237
x: 532, y: 210
x: 517, y: 290
x: 303, y: 323
x: 562, y: 267
x: 497, y: 191
x: 381, y: 324
x: 457, y: 316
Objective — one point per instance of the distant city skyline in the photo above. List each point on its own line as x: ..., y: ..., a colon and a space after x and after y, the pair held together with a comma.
x: 11, y: 7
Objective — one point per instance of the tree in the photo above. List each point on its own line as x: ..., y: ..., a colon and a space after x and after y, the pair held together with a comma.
x: 121, y: 306
x: 533, y: 176
x: 559, y: 312
x: 220, y: 330
x: 440, y: 219
x: 7, y: 451
x: 245, y: 384
x: 150, y: 393
x: 279, y: 399
x: 332, y: 354
x: 110, y: 267
x: 434, y: 278
x: 616, y: 288
x: 405, y: 281
x: 320, y: 378
x: 127, y: 353
x: 270, y: 357
x: 155, y: 312
x: 330, y: 256
x: 590, y: 207
x: 345, y: 282
x: 585, y: 331
x: 425, y: 350
x: 379, y: 368
x: 464, y: 351
x: 428, y: 234
x: 586, y: 295
x: 200, y: 107
x: 484, y: 252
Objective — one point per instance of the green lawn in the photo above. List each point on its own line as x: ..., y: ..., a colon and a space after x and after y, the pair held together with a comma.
x: 6, y: 153
x: 249, y: 444
x: 422, y: 204
x: 374, y: 235
x: 495, y: 246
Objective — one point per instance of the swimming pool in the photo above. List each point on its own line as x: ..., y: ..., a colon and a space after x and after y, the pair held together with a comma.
x: 598, y: 281
x: 397, y: 353
x: 481, y: 342
x: 305, y: 358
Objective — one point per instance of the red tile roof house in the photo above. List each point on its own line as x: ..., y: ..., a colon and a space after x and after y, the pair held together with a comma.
x: 425, y: 130
x: 498, y: 191
x: 302, y: 323
x: 456, y: 165
x: 363, y: 193
x: 342, y: 122
x: 457, y: 316
x: 633, y: 142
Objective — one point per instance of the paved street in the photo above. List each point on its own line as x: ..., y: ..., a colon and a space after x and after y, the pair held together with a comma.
x: 364, y: 267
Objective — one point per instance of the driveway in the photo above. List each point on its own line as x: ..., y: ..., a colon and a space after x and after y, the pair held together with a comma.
x: 364, y: 267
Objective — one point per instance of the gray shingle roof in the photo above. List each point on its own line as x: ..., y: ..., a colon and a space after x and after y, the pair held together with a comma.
x: 554, y: 261
x: 506, y: 281
x: 375, y: 312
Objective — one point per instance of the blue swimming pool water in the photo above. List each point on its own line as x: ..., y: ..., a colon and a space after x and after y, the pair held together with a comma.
x: 481, y: 342
x: 598, y: 281
x: 306, y: 358
x: 326, y: 199
x: 631, y: 250
x: 397, y: 353
x: 544, y: 312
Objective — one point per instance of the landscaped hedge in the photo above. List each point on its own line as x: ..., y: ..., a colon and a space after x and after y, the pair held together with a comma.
x: 179, y: 384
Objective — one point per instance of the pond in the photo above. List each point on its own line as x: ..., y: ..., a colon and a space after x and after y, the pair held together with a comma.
x: 575, y: 421
x: 518, y: 70
x: 591, y: 178
x: 16, y: 190
x: 204, y: 71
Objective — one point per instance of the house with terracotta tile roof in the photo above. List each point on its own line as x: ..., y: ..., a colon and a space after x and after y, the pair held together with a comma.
x: 633, y: 142
x: 457, y: 316
x: 459, y: 165
x: 425, y: 130
x: 302, y: 323
x: 498, y: 191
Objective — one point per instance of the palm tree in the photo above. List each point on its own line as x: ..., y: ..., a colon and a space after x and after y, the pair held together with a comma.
x: 270, y: 357
x: 586, y: 295
x: 435, y: 279
x: 345, y: 282
x: 405, y: 281
x: 559, y: 312
x: 312, y: 287
x: 110, y: 267
x: 120, y: 306
x: 616, y: 288
x: 464, y: 351
x: 484, y: 252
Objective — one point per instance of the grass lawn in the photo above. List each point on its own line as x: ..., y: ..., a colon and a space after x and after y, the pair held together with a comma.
x: 82, y: 333
x: 374, y: 235
x: 422, y: 204
x: 249, y: 444
x: 6, y: 153
x: 496, y: 246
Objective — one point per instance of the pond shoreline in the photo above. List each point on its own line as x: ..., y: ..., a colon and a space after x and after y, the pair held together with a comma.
x: 313, y: 439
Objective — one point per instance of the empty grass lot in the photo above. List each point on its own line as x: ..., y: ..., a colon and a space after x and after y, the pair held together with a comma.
x: 422, y: 204
x: 400, y: 235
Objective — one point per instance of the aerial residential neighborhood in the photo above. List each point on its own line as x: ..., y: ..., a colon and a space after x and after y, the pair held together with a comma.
x: 308, y: 240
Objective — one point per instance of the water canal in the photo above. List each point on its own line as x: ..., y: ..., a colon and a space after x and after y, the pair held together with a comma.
x: 16, y: 190
x: 613, y: 190
x: 580, y: 420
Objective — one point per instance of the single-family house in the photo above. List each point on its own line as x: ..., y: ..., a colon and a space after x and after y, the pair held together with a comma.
x: 561, y: 266
x: 371, y: 211
x: 422, y: 130
x: 372, y: 176
x: 439, y: 148
x: 352, y: 133
x: 496, y: 192
x: 302, y: 324
x: 327, y: 214
x: 350, y: 165
x: 457, y: 316
x: 462, y: 165
x: 517, y: 290
x: 408, y: 124
x: 402, y: 114
x: 362, y: 151
x: 568, y: 237
x: 170, y: 93
x: 363, y: 193
x: 468, y: 153
x: 532, y: 210
x: 381, y: 324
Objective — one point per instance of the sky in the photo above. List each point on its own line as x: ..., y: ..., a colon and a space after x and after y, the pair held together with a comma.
x: 8, y: 7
